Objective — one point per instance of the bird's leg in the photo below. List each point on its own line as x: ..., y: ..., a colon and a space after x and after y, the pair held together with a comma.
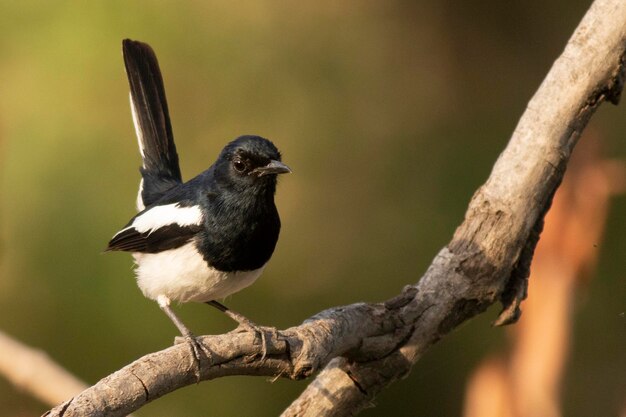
x: 194, y: 344
x: 239, y: 318
x: 244, y: 323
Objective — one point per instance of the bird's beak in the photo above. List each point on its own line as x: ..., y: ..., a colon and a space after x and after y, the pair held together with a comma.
x: 274, y: 167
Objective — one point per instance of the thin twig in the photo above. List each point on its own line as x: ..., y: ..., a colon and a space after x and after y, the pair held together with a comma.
x: 33, y: 371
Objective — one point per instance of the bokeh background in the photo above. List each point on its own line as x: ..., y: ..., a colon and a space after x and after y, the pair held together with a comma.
x: 390, y: 113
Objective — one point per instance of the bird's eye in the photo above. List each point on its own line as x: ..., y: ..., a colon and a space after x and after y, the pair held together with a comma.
x: 239, y: 165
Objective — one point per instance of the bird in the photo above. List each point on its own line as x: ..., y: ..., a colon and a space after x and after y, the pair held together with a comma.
x: 207, y: 238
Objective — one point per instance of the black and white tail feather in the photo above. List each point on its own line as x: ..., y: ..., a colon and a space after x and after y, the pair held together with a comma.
x: 160, y: 171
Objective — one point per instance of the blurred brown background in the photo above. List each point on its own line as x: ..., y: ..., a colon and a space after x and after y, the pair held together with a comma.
x: 390, y: 113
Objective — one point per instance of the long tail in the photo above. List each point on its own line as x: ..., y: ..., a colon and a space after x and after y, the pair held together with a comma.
x: 160, y: 171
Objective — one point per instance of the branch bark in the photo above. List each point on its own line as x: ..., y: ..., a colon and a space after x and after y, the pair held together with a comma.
x: 365, y: 347
x: 525, y: 379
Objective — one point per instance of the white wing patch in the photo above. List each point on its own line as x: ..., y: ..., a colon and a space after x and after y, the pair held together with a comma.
x: 160, y: 216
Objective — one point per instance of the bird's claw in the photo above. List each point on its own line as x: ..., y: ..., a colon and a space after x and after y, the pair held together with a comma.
x: 197, y: 349
x: 257, y: 330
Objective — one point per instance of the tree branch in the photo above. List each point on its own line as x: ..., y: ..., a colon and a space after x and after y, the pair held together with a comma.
x: 490, y: 252
x: 33, y: 371
x: 365, y: 347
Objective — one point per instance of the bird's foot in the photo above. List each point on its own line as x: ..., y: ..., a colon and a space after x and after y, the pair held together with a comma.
x: 187, y: 337
x: 197, y: 350
x: 248, y: 326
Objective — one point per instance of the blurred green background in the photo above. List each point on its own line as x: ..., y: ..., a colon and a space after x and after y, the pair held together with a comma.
x: 390, y: 114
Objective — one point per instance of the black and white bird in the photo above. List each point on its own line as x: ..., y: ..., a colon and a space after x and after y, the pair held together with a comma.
x: 211, y: 236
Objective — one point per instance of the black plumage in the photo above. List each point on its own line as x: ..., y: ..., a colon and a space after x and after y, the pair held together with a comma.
x: 167, y: 237
x: 240, y: 223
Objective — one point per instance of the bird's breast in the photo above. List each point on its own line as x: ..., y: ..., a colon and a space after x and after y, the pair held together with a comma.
x: 241, y: 241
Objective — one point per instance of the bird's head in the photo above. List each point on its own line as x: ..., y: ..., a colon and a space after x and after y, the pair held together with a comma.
x: 251, y: 160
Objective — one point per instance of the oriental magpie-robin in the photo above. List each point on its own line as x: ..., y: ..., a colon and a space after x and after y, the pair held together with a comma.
x: 207, y: 238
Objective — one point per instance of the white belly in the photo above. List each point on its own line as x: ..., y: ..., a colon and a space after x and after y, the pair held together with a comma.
x: 181, y: 274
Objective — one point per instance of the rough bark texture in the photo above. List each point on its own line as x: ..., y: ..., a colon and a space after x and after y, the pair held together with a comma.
x: 525, y: 379
x: 365, y: 347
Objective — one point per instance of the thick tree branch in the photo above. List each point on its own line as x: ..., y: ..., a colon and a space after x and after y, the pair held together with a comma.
x: 489, y: 255
x: 365, y: 347
x: 526, y: 381
x: 369, y: 331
